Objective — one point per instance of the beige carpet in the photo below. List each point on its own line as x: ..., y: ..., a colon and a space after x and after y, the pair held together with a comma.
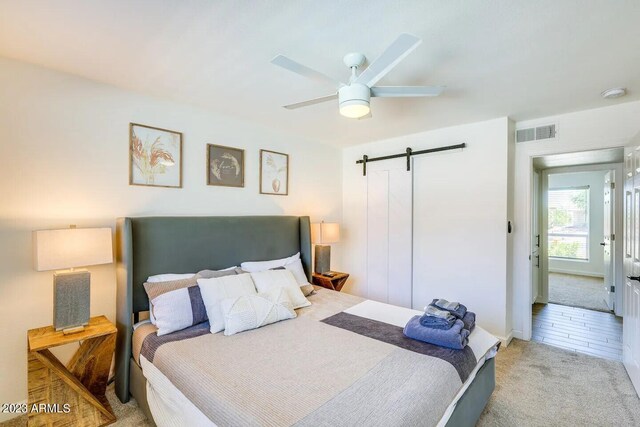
x: 540, y: 385
x: 577, y: 291
x: 537, y: 385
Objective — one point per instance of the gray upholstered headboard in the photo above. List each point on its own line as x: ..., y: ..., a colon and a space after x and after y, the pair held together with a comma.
x: 155, y: 245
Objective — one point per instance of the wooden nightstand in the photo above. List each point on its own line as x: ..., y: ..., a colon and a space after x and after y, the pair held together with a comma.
x: 81, y: 384
x: 334, y: 283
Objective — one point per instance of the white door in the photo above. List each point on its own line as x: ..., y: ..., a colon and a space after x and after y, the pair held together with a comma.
x: 631, y: 322
x: 389, y: 232
x: 535, y: 238
x: 609, y: 284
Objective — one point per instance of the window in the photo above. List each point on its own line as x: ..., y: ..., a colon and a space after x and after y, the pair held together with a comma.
x: 569, y: 223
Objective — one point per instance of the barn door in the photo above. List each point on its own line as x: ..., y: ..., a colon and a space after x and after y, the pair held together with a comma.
x: 389, y: 232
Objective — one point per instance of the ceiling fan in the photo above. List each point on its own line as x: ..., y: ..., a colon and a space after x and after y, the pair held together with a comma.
x: 354, y: 97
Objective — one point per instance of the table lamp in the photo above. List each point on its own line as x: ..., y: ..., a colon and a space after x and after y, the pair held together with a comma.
x: 67, y: 249
x: 323, y: 234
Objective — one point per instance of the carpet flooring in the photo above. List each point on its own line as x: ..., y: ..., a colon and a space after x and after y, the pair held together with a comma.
x: 541, y: 385
x: 577, y: 291
x: 536, y: 385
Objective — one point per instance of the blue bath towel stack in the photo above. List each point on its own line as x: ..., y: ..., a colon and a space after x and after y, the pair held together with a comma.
x: 444, y: 323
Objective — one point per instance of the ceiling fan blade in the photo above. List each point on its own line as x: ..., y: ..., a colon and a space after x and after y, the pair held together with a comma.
x: 291, y: 65
x: 395, y: 53
x: 406, y: 91
x: 311, y: 102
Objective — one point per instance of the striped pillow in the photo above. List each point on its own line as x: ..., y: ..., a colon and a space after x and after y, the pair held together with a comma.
x: 155, y: 289
x: 178, y: 309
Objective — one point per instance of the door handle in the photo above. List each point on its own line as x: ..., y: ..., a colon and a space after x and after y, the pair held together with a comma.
x: 603, y: 244
x: 636, y: 278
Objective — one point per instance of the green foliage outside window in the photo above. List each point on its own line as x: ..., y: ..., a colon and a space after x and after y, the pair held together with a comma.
x: 563, y: 249
x: 559, y: 218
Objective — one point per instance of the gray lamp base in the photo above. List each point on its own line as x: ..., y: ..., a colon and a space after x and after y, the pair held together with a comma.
x: 71, y: 300
x: 322, y: 262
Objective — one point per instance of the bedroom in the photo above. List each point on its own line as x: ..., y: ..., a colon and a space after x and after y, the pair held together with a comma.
x: 75, y: 75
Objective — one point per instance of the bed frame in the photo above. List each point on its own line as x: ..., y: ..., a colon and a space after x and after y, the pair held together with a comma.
x: 154, y: 245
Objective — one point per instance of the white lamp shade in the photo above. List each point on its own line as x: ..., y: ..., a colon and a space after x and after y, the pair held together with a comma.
x: 325, y: 232
x: 71, y: 247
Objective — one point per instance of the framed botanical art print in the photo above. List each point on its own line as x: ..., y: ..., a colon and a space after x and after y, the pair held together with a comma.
x: 155, y: 156
x: 274, y: 173
x: 225, y: 166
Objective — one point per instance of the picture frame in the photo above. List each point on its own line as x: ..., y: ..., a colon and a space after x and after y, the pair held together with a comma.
x: 225, y: 166
x: 274, y: 173
x: 155, y: 156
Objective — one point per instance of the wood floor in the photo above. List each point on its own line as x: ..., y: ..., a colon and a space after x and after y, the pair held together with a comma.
x: 576, y: 329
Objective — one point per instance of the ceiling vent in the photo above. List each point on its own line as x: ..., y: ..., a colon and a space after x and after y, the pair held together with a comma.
x: 536, y: 134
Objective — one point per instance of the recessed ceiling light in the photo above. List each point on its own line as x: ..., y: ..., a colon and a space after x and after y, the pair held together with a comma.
x: 614, y: 93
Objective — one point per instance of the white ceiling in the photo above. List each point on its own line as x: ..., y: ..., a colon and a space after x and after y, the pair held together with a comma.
x: 520, y: 58
x: 593, y: 157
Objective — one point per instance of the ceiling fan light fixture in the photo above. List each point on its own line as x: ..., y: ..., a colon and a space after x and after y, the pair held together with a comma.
x: 355, y: 109
x: 354, y: 100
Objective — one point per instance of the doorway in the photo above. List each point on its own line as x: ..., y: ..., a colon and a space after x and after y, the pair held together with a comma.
x: 576, y: 261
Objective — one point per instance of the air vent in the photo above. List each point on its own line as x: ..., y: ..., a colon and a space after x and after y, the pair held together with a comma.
x: 545, y: 132
x: 524, y: 135
x: 536, y: 134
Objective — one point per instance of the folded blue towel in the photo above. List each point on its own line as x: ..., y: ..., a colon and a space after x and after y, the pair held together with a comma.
x: 469, y: 321
x: 437, y: 322
x: 456, y: 337
x: 458, y: 312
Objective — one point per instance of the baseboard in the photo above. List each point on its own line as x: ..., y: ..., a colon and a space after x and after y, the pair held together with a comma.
x: 575, y: 273
x: 506, y: 340
x: 517, y: 334
x: 6, y: 416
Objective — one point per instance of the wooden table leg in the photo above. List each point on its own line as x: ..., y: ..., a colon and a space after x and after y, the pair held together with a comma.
x: 73, y: 395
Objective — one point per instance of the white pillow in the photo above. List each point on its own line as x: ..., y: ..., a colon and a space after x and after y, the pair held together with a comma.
x: 297, y: 270
x: 267, y: 280
x: 253, y: 311
x: 255, y: 266
x: 218, y: 288
x: 169, y: 276
x: 178, y: 309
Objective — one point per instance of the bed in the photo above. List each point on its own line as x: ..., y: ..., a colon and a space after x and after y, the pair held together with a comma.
x: 342, y: 361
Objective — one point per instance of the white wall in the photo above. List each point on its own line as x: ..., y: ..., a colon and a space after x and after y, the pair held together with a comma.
x: 63, y: 160
x: 460, y: 218
x: 594, y: 266
x: 580, y: 131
